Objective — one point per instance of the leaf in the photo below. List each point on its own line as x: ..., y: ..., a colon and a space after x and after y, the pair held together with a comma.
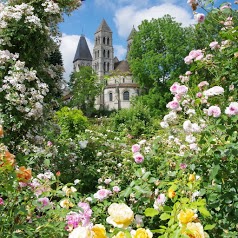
x: 151, y: 212
x: 146, y: 175
x: 214, y: 171
x: 209, y: 227
x: 127, y: 192
x: 165, y: 216
x: 47, y: 162
x: 204, y: 211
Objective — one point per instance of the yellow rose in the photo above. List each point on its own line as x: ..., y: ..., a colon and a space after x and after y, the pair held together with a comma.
x: 186, y: 216
x: 66, y: 203
x: 120, y: 235
x: 171, y: 193
x: 121, y: 215
x: 99, y: 231
x: 81, y: 232
x: 142, y: 233
x: 194, y: 230
x: 191, y: 177
x: 70, y: 190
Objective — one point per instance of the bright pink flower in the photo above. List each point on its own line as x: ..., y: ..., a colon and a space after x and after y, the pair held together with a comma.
x: 232, y: 109
x: 135, y: 148
x: 173, y: 105
x: 1, y: 201
x: 214, y: 111
x: 102, y: 194
x: 200, y: 17
x: 138, y: 157
x: 214, y: 45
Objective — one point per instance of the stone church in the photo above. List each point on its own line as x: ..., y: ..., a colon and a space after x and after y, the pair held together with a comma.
x: 120, y: 87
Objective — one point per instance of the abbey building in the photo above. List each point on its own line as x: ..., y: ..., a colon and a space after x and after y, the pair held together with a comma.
x: 120, y: 87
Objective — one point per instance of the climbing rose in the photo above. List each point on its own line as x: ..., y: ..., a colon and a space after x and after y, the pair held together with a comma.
x: 200, y: 17
x: 138, y: 157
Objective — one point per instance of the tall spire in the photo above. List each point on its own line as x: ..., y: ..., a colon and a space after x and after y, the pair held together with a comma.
x: 82, y: 52
x: 103, y: 27
x: 133, y: 31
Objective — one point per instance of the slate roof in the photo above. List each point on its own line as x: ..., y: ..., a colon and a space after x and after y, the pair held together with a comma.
x: 103, y: 27
x: 83, y: 52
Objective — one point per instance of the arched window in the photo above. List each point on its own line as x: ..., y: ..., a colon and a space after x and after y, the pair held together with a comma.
x: 104, y: 67
x: 104, y: 53
x: 95, y: 53
x: 108, y: 54
x: 123, y: 80
x: 126, y: 96
x: 108, y: 66
x: 104, y: 40
x: 108, y: 41
x: 98, y: 53
x: 110, y: 97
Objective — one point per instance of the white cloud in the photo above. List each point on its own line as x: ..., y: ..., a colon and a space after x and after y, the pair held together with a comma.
x: 119, y: 51
x: 128, y: 16
x: 68, y: 48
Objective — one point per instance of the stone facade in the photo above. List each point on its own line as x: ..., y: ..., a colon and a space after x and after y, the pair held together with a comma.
x: 120, y: 87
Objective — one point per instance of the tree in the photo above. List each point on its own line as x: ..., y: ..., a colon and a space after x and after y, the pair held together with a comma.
x: 157, y: 54
x: 85, y: 86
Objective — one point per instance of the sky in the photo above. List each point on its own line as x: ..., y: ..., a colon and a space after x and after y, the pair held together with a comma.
x: 121, y: 16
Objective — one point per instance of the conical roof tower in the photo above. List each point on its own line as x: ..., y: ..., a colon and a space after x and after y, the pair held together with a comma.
x: 83, y: 55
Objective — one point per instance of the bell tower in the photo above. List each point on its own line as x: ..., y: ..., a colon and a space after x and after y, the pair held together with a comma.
x: 103, y: 50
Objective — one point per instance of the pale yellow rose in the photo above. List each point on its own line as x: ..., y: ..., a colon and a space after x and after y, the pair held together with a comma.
x: 81, y: 232
x: 142, y: 233
x: 70, y: 190
x: 99, y: 231
x: 194, y: 230
x: 66, y: 203
x: 120, y: 215
x: 191, y: 178
x: 120, y: 235
x: 186, y: 216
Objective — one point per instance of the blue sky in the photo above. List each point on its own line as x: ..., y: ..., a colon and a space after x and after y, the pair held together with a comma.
x: 120, y: 15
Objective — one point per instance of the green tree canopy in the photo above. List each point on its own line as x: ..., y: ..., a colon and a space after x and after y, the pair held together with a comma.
x: 84, y: 86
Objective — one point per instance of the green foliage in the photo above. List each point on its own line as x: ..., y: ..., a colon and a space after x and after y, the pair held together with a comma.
x: 71, y: 121
x: 135, y: 120
x: 85, y: 86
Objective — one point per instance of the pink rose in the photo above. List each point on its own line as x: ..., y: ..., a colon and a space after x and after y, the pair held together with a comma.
x: 1, y: 201
x: 116, y: 189
x: 232, y: 109
x: 138, y: 157
x: 214, y: 45
x: 214, y: 111
x: 135, y: 148
x: 102, y: 194
x: 188, y: 59
x: 182, y: 90
x: 174, y: 88
x: 173, y: 105
x: 200, y: 17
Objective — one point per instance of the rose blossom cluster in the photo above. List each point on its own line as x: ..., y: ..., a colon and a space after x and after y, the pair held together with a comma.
x: 51, y: 7
x: 80, y: 218
x: 138, y: 157
x: 17, y: 12
x: 23, y: 90
x: 193, y: 56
